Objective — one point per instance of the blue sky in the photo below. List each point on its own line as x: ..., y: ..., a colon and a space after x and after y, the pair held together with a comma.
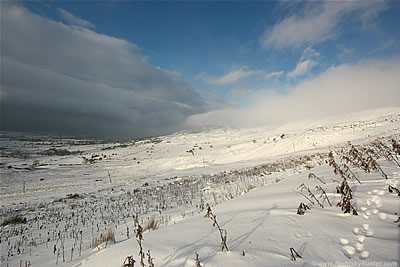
x: 230, y: 55
x: 219, y: 37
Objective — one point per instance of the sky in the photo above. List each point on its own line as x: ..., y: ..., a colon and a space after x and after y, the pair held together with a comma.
x: 132, y: 69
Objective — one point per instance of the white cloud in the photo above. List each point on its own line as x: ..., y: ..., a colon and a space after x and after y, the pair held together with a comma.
x: 305, y: 64
x: 309, y: 53
x: 319, y: 22
x: 302, y: 68
x: 338, y: 90
x: 73, y: 20
x: 231, y: 77
x: 73, y: 80
x: 273, y: 75
x: 346, y: 54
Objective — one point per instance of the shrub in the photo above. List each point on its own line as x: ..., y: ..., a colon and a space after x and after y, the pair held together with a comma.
x: 198, y: 264
x: 222, y: 232
x: 75, y: 195
x: 302, y: 208
x: 13, y: 220
x: 104, y: 237
x: 152, y: 224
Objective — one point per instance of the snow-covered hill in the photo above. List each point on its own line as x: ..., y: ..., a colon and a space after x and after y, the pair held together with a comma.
x: 184, y: 153
x: 71, y: 191
x: 263, y: 225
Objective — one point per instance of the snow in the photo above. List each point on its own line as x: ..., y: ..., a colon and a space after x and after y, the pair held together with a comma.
x: 263, y: 223
x: 250, y: 177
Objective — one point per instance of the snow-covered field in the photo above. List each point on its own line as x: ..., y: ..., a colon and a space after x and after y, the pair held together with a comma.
x: 68, y: 192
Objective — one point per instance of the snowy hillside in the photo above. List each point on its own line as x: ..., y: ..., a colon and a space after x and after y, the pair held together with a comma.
x: 67, y: 194
x: 263, y: 225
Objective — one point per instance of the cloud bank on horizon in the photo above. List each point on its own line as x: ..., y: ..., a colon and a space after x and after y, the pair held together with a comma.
x: 338, y: 90
x: 65, y: 77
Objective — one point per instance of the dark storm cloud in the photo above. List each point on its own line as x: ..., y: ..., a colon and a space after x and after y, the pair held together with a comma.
x: 56, y: 77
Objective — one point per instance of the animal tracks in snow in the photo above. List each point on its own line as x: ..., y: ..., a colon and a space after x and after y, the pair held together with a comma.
x: 302, y: 233
x: 357, y: 246
x: 349, y: 251
x: 382, y: 216
x: 367, y: 230
x: 361, y: 239
x: 374, y: 203
x: 364, y: 255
